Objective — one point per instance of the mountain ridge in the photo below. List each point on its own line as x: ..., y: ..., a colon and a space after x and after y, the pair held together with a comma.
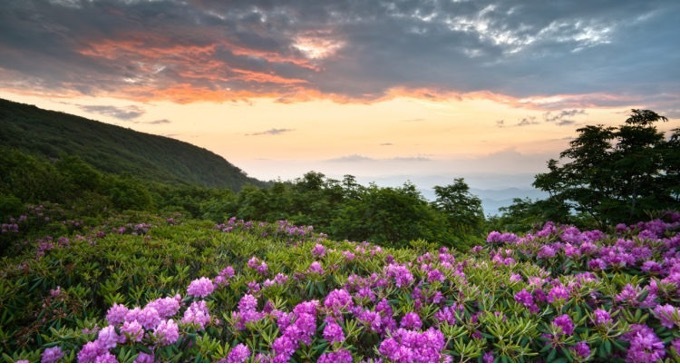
x: 115, y: 149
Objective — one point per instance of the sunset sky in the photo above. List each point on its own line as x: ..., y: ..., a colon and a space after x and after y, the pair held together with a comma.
x: 424, y: 90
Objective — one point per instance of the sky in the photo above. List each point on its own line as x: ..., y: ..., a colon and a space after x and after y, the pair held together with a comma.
x: 388, y: 91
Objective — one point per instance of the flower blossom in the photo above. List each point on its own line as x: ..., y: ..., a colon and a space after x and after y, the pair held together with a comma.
x: 51, y: 355
x: 340, y: 356
x: 201, y: 287
x: 198, y: 314
x: 167, y: 332
x: 565, y: 324
x: 238, y: 354
x: 401, y: 275
x: 645, y: 346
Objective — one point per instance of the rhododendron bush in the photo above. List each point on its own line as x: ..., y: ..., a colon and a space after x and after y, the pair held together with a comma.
x: 256, y: 292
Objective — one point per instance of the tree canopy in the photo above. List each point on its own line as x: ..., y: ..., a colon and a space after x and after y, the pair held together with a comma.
x: 616, y: 174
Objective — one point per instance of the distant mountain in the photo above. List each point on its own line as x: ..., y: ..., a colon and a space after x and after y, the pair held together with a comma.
x: 114, y: 149
x: 494, y: 199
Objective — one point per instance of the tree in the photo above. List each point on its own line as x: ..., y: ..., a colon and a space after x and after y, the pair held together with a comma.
x: 390, y: 216
x: 462, y: 209
x: 615, y: 174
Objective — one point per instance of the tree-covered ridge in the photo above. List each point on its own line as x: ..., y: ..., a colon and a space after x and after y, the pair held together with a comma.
x: 114, y: 149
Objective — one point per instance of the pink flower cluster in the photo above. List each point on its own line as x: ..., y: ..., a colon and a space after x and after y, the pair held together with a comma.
x: 408, y: 346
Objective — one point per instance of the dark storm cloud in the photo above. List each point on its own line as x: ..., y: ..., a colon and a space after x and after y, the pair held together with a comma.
x: 354, y: 50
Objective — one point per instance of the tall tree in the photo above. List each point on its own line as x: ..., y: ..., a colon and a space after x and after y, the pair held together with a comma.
x: 462, y: 208
x: 615, y: 174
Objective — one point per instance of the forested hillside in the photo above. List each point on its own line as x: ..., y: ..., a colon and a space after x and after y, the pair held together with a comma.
x: 113, y: 149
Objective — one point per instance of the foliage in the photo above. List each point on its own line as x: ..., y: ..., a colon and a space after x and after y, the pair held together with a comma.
x: 616, y: 174
x: 463, y: 209
x: 136, y: 286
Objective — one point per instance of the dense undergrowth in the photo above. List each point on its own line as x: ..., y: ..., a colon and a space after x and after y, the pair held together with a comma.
x: 138, y: 287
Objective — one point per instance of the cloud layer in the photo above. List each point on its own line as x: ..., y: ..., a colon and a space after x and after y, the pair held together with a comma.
x: 547, y: 54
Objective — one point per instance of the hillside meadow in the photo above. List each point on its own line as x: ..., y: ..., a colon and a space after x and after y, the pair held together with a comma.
x: 144, y: 287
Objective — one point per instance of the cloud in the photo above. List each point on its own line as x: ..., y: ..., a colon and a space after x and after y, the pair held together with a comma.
x: 564, y: 117
x: 186, y: 51
x: 158, y: 122
x: 386, y: 144
x: 353, y: 158
x: 526, y: 121
x: 273, y: 131
x: 122, y: 113
x: 357, y: 158
x: 531, y: 120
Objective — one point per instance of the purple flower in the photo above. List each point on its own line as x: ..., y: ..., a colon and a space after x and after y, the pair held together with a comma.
x: 349, y: 256
x: 411, y: 321
x: 307, y: 307
x: 315, y: 267
x: 247, y: 303
x: 253, y: 287
x: 258, y: 265
x: 148, y: 317
x: 401, y: 275
x: 166, y: 307
x: 527, y: 300
x: 108, y: 338
x: 303, y: 329
x: 280, y: 278
x: 239, y: 354
x: 319, y: 251
x: 645, y: 346
x: 144, y: 358
x: 201, y: 287
x: 546, y: 251
x: 106, y: 358
x: 90, y: 352
x: 133, y: 331
x: 435, y: 276
x: 675, y: 345
x: 371, y: 320
x: 247, y: 312
x: 515, y: 277
x: 446, y: 314
x: 167, y: 332
x: 51, y: 355
x: 340, y: 356
x: 602, y: 317
x: 333, y: 332
x: 412, y: 346
x: 565, y: 324
x: 496, y: 237
x: 227, y: 272
x: 198, y: 314
x: 284, y: 347
x: 597, y: 264
x: 558, y: 293
x: 668, y: 315
x: 488, y: 357
x: 652, y: 267
x: 116, y: 314
x: 338, y: 300
x: 581, y: 350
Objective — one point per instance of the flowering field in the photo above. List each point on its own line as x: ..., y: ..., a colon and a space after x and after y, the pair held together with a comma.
x: 148, y: 289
